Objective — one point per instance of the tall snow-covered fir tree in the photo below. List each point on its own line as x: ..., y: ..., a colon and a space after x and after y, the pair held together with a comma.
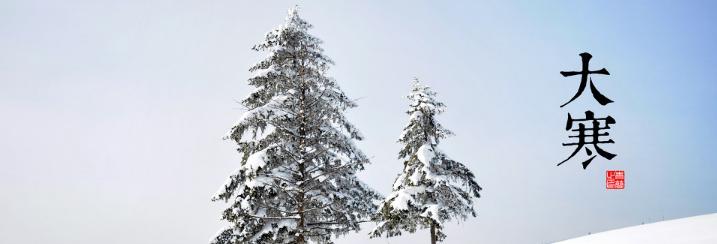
x: 297, y: 179
x: 432, y: 189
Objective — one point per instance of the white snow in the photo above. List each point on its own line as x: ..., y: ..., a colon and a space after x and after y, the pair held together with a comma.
x: 268, y: 228
x: 274, y: 106
x: 416, y: 176
x: 432, y: 211
x: 264, y: 72
x: 398, y: 182
x: 425, y: 154
x: 256, y: 160
x: 259, y: 180
x: 402, y: 197
x: 700, y: 229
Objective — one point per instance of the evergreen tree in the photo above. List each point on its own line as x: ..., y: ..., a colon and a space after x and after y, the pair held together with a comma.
x: 297, y: 179
x: 432, y: 189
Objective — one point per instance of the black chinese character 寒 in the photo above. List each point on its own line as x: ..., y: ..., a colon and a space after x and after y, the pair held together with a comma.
x: 593, y: 138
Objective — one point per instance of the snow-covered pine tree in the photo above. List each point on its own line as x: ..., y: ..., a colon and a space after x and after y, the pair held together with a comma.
x: 297, y: 179
x: 432, y: 188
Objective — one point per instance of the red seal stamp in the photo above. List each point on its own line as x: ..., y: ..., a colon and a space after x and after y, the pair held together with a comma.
x: 615, y: 179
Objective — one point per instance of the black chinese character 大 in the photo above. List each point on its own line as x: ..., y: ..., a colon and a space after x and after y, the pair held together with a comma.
x: 584, y: 77
x: 589, y: 135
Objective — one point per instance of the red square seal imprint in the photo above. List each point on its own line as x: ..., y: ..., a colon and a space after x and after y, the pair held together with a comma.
x: 615, y: 179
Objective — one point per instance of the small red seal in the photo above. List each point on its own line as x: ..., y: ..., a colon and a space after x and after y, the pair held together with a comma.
x: 615, y: 179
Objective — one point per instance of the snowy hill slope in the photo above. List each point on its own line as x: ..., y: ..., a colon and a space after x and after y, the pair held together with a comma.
x: 700, y: 229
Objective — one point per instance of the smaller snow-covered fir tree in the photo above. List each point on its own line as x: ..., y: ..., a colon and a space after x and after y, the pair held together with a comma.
x: 432, y: 189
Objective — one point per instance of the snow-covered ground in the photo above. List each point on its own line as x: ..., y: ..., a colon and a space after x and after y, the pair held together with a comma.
x: 698, y: 229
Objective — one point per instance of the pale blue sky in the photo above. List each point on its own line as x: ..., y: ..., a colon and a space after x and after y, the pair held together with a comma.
x: 112, y: 111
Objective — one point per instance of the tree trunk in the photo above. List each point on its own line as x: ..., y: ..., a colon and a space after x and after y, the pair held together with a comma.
x: 301, y: 239
x: 434, y: 238
x: 300, y: 197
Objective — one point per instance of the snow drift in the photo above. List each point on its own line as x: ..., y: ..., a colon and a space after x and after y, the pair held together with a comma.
x: 693, y: 230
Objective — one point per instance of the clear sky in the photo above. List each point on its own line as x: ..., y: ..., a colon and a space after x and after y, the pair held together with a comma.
x: 113, y: 111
